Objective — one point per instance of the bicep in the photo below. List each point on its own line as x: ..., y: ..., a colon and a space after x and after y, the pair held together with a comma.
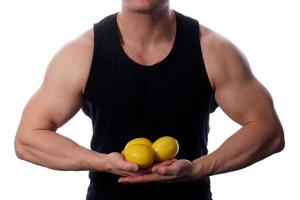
x: 245, y: 100
x: 60, y: 95
x: 239, y: 94
x: 49, y: 108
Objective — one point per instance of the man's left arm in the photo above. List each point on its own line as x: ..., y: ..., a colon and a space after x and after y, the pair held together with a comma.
x: 246, y: 101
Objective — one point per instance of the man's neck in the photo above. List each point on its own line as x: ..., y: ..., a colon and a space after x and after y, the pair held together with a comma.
x: 147, y: 28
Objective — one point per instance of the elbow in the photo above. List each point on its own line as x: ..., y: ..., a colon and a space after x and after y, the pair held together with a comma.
x: 19, y: 147
x: 18, y: 151
x: 278, y: 143
x: 281, y: 144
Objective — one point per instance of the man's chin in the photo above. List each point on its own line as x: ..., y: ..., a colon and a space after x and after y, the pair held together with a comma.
x: 146, y: 7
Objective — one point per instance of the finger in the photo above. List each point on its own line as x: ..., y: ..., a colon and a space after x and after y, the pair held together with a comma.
x: 127, y: 166
x: 166, y: 170
x: 138, y: 173
x: 166, y: 162
x: 163, y: 163
x: 138, y: 179
x: 126, y: 173
x: 131, y: 167
x: 143, y: 171
x: 145, y: 179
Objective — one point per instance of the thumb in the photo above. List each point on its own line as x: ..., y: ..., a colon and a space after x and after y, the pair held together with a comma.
x: 128, y: 166
x: 131, y: 167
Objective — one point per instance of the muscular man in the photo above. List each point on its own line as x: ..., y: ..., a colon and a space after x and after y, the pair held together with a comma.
x: 149, y: 71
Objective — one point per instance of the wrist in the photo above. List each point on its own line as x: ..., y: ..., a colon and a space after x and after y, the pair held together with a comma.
x: 202, y: 167
x: 196, y: 170
x: 96, y: 161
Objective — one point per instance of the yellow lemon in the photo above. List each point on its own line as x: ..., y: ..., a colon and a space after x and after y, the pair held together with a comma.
x: 165, y: 148
x: 139, y: 140
x: 140, y: 154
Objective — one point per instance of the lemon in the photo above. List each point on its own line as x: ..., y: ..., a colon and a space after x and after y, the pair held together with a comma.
x: 139, y: 140
x: 165, y: 148
x: 140, y: 154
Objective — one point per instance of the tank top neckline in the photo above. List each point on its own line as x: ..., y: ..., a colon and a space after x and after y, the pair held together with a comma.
x: 138, y: 66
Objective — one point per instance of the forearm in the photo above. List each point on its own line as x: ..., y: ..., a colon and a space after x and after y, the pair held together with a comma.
x: 247, y: 146
x: 55, y: 151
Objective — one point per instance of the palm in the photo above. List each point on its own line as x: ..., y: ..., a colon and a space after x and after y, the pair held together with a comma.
x: 178, y: 170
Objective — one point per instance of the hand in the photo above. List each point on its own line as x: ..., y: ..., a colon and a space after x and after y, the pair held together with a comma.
x: 116, y: 164
x: 167, y: 171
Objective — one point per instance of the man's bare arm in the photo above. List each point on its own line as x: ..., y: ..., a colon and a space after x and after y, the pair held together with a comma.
x: 245, y: 100
x: 56, y: 101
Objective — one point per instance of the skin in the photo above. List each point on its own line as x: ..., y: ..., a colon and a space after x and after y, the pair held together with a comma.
x: 150, y: 29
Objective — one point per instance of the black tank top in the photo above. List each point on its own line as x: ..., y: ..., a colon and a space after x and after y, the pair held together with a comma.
x: 126, y: 100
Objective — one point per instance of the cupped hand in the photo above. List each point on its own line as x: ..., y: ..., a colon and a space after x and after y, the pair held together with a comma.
x: 115, y: 163
x: 167, y: 171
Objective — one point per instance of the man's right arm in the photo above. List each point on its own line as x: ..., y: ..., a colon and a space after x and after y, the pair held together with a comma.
x: 57, y: 100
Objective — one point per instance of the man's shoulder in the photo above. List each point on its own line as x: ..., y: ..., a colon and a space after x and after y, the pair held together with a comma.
x: 221, y: 56
x: 214, y: 42
x: 72, y: 61
x: 78, y: 49
x: 84, y: 41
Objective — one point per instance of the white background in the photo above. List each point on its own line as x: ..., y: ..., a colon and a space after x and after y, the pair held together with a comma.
x: 266, y: 31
